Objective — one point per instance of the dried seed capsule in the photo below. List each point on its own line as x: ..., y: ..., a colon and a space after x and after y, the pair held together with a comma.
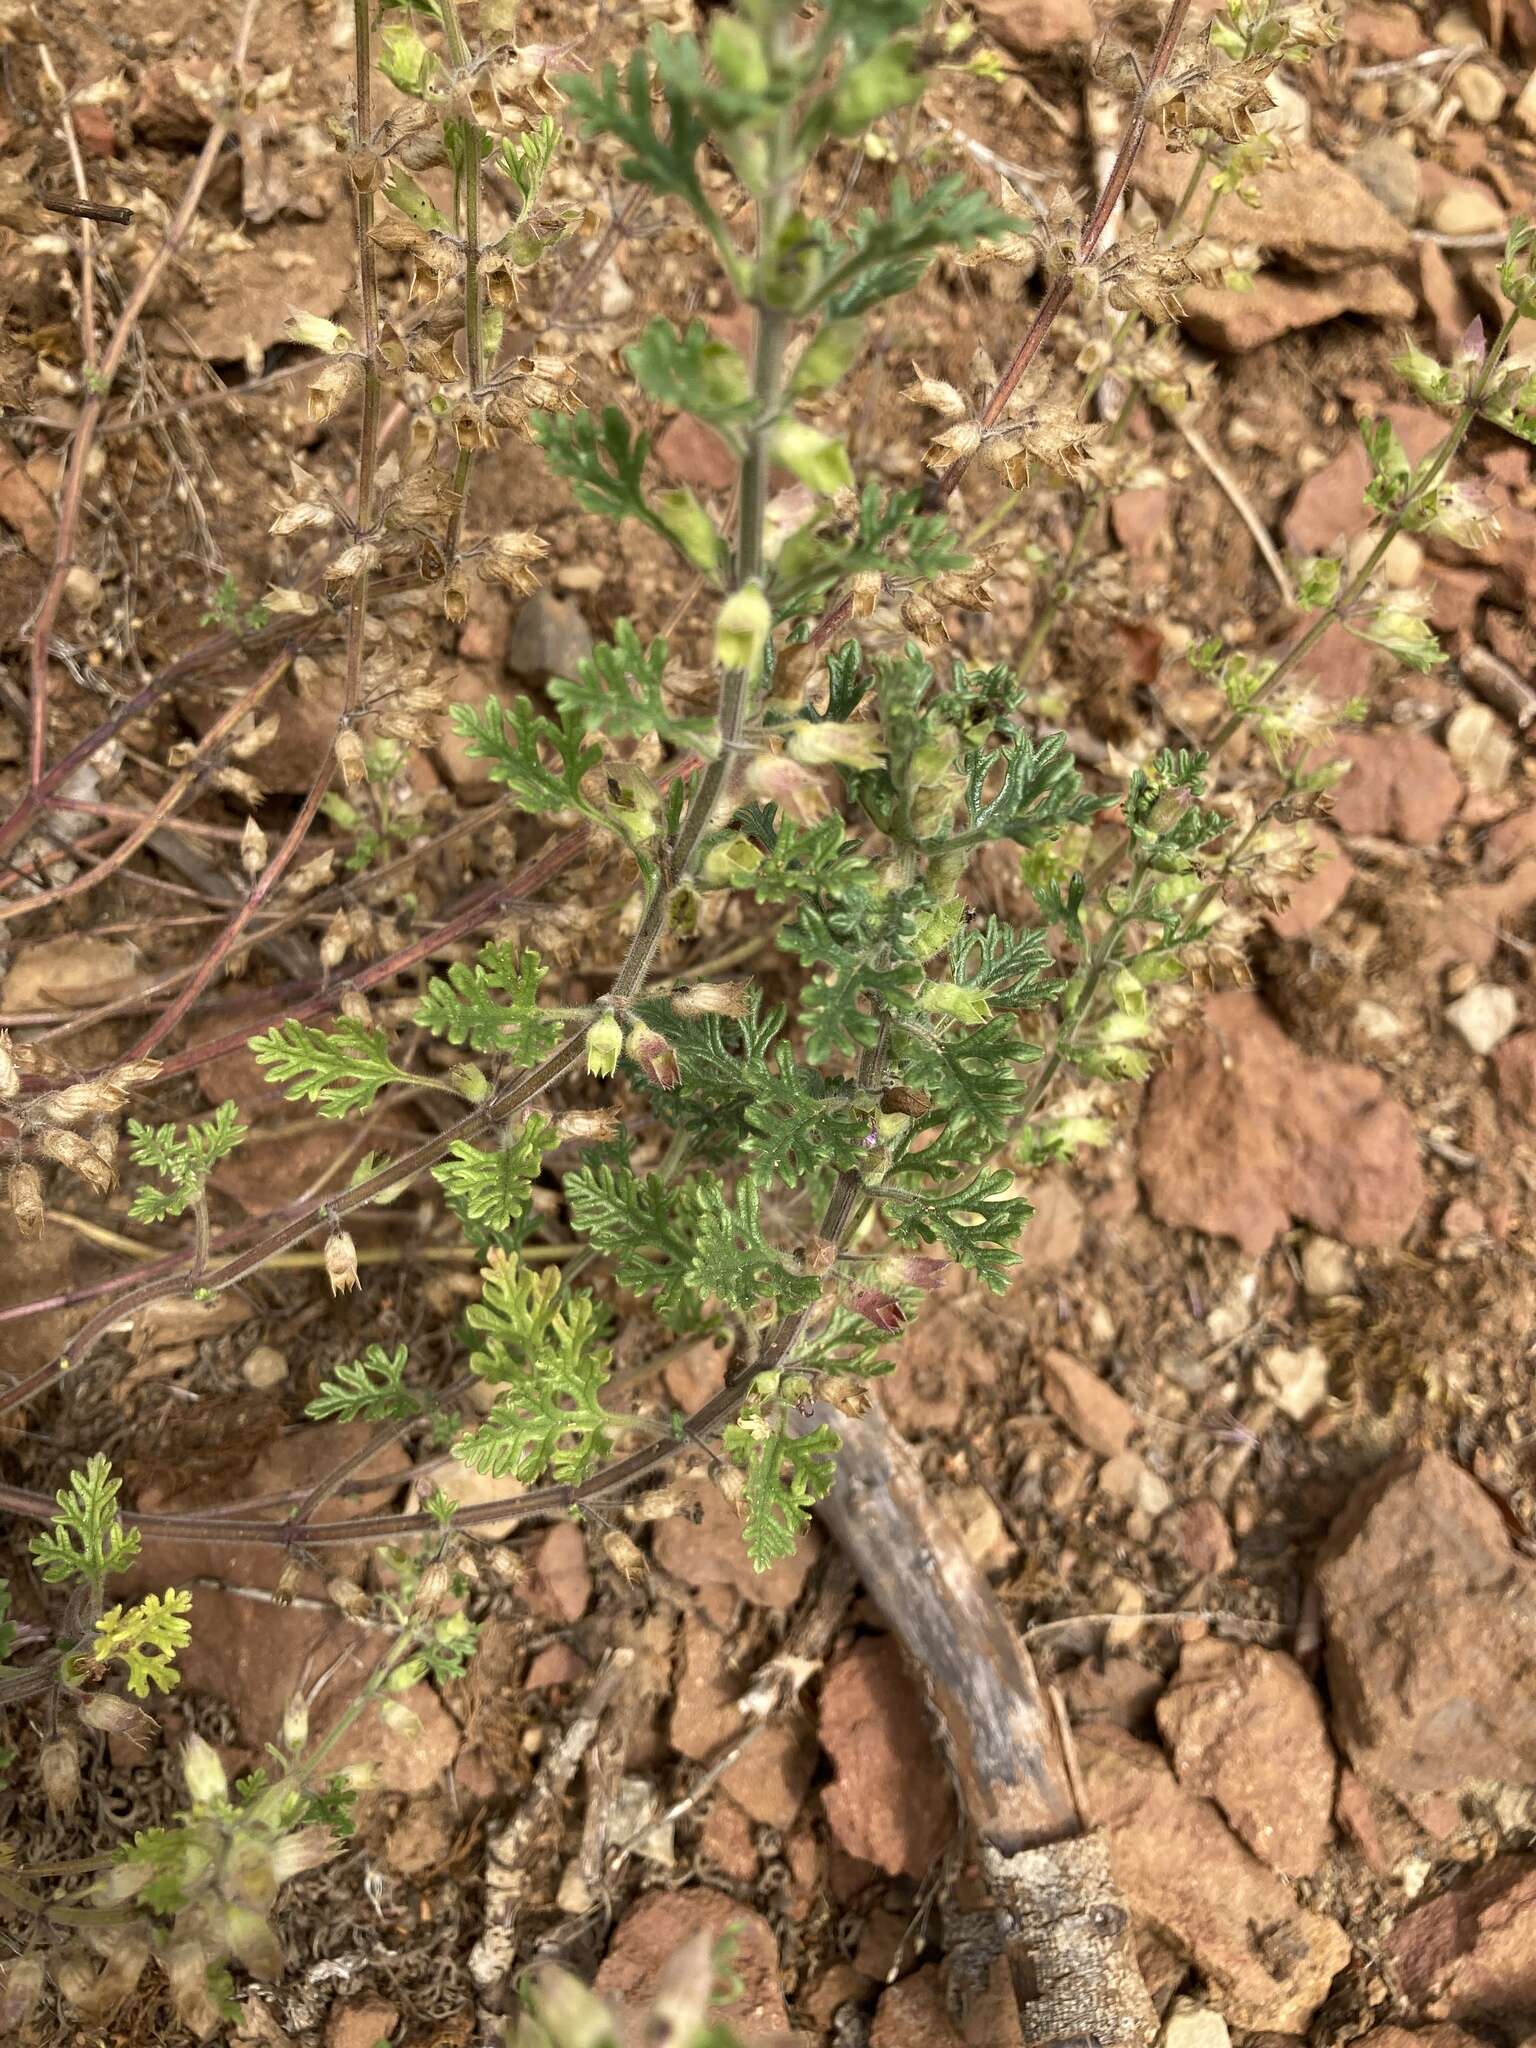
x: 625, y: 1555
x: 59, y: 1768
x: 340, y: 1261
x: 24, y: 1191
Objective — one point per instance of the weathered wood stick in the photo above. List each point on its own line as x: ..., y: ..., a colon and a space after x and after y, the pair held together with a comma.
x: 1067, y: 1933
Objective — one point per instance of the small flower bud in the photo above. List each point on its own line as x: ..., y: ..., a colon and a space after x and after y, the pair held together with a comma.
x: 713, y: 999
x: 340, y: 1261
x: 469, y: 1081
x: 625, y: 1555
x: 816, y: 745
x: 400, y: 1719
x: 59, y: 1768
x: 24, y: 1191
x: 605, y: 1041
x: 206, y: 1779
x: 350, y: 758
x: 295, y: 1724
x: 653, y: 1055
x: 587, y: 1126
x: 253, y: 848
x: 742, y: 627
x: 365, y: 167
x: 354, y: 1005
x: 731, y: 862
x: 348, y: 1596
x: 305, y: 1849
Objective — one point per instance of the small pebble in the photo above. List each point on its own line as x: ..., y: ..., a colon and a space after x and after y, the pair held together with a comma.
x: 1484, y: 1017
x: 264, y: 1367
x: 1482, y: 93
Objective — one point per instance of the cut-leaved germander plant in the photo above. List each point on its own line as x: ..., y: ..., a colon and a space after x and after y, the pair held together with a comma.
x: 788, y: 1162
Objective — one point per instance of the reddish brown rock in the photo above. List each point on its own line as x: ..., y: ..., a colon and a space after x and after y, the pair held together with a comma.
x: 1243, y: 1132
x: 1430, y: 1616
x: 725, y: 1840
x: 1246, y: 1729
x: 913, y: 2014
x: 1330, y: 506
x: 1514, y: 1071
x: 770, y: 1779
x: 1031, y: 28
x: 1470, y: 1954
x: 657, y: 1926
x: 1119, y: 1691
x: 273, y: 1169
x: 710, y: 1552
x: 560, y: 1584
x: 890, y: 1801
x: 95, y: 130
x: 555, y: 1665
x: 1279, y: 303
x: 1313, y: 213
x: 1204, y: 1540
x: 1392, y: 31
x: 1140, y: 519
x: 1473, y: 918
x: 1052, y: 1239
x: 692, y: 453
x: 361, y: 2023
x: 1313, y: 901
x: 1400, y: 785
x: 1101, y: 1420
x: 172, y: 109
x: 1187, y: 1878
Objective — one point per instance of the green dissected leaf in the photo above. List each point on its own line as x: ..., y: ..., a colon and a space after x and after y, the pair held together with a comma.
x: 1013, y: 966
x: 526, y: 159
x: 973, y: 1079
x: 864, y: 25
x: 692, y: 372
x: 646, y: 1228
x: 85, y: 1539
x: 786, y: 1475
x: 806, y: 860
x: 341, y: 1070
x: 863, y: 971
x: 599, y: 458
x: 618, y: 692
x: 185, y: 1157
x: 742, y: 1094
x: 663, y: 163
x: 144, y: 1639
x: 370, y: 1389
x: 977, y: 1223
x: 1039, y: 795
x: 538, y: 1344
x: 492, y: 1189
x: 464, y: 1007
x: 887, y: 253
x: 892, y: 536
x: 732, y: 1261
x: 514, y: 743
